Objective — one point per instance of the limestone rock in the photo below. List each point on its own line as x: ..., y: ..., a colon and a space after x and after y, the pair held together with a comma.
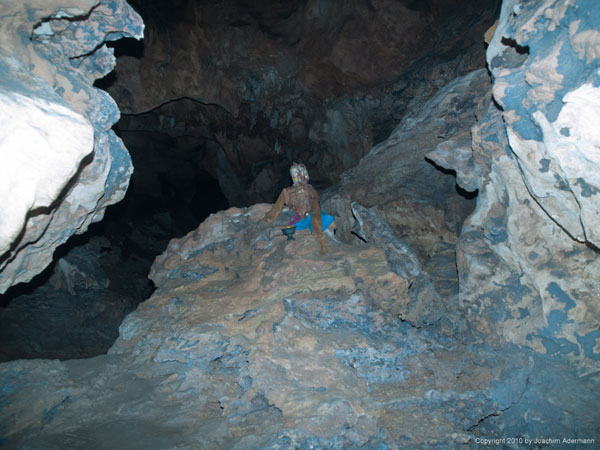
x: 239, y: 51
x: 528, y: 257
x: 371, y: 227
x: 50, y: 55
x: 458, y: 155
x: 247, y: 88
x: 43, y: 144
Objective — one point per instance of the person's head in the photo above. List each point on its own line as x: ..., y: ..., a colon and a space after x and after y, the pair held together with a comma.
x: 299, y: 173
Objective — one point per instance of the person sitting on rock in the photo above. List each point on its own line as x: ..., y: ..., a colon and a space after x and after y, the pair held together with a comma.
x: 303, y: 199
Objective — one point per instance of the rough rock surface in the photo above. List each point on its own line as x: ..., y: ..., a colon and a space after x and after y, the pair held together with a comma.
x: 249, y: 87
x: 528, y: 256
x: 419, y: 202
x: 76, y: 309
x: 371, y: 227
x: 50, y: 54
x: 253, y: 341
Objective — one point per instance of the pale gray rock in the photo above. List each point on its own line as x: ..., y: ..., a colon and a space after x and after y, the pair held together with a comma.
x: 458, y: 155
x: 43, y: 144
x: 573, y: 156
x: 371, y: 227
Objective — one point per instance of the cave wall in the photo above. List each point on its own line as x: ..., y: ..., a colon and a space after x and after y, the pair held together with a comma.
x: 61, y: 163
x: 528, y: 256
x: 420, y: 202
x: 251, y: 87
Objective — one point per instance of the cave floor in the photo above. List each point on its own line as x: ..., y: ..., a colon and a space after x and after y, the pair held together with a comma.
x: 254, y: 341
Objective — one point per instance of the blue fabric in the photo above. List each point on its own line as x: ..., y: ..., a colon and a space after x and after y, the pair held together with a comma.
x: 305, y: 223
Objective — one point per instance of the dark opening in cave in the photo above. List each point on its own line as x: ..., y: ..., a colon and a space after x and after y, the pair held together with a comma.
x: 74, y: 307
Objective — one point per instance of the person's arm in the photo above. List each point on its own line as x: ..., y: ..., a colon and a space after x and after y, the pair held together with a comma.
x: 315, y: 219
x: 274, y: 212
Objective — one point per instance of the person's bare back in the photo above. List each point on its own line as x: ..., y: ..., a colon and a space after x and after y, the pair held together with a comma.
x: 303, y: 199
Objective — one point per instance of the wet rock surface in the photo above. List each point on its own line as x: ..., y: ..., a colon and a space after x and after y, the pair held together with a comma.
x: 256, y: 341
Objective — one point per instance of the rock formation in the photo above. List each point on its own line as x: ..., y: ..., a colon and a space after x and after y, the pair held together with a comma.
x: 528, y: 256
x: 61, y: 164
x: 418, y: 201
x: 76, y: 313
x: 253, y: 341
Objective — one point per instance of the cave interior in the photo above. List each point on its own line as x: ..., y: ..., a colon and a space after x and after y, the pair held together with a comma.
x: 458, y: 304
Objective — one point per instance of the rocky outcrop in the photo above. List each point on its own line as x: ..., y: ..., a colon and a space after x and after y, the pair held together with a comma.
x: 419, y: 202
x: 414, y: 208
x: 254, y: 341
x: 247, y: 88
x: 528, y: 256
x: 371, y: 227
x: 61, y: 164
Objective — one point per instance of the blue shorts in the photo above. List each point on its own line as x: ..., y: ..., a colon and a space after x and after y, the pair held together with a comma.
x: 305, y: 223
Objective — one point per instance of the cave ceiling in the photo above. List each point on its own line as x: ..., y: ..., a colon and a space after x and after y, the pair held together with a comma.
x: 250, y: 86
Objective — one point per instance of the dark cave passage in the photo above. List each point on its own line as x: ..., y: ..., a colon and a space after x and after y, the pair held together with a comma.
x: 74, y: 308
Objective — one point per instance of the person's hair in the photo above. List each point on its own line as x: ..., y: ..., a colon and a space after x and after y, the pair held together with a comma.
x: 299, y: 173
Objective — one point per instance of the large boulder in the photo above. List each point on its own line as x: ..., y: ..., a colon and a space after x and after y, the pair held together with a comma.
x: 60, y: 164
x: 419, y: 201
